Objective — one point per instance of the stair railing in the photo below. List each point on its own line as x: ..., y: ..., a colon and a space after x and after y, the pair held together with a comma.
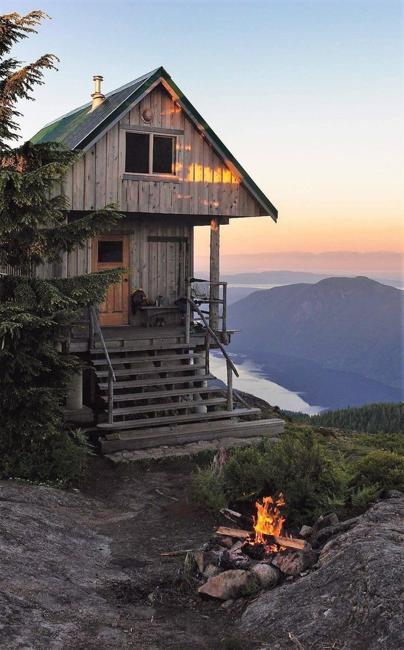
x: 215, y: 307
x: 230, y: 367
x: 95, y: 328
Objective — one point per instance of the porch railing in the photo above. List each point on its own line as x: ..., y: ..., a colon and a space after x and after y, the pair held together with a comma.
x: 209, y: 333
x: 211, y: 297
x: 94, y: 330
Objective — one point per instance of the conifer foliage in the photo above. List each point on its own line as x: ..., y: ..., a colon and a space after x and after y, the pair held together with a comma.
x: 36, y: 314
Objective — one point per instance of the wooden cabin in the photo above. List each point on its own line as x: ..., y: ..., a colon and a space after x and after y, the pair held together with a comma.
x: 146, y: 149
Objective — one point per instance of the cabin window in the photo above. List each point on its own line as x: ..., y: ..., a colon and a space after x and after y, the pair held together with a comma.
x: 149, y: 153
x: 110, y: 250
x: 163, y: 154
x: 137, y: 153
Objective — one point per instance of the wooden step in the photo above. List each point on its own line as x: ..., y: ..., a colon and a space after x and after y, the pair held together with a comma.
x: 130, y: 347
x: 134, y: 359
x: 130, y: 372
x: 168, y: 406
x: 187, y: 433
x: 171, y: 381
x: 192, y: 417
x: 135, y: 397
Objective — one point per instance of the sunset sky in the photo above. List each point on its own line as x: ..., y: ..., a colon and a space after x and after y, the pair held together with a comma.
x: 307, y: 94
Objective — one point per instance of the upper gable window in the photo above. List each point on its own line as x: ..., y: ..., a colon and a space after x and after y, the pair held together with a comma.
x: 149, y: 153
x: 137, y: 153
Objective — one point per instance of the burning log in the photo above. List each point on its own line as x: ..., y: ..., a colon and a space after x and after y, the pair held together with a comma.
x: 238, y: 533
x: 286, y: 542
x: 290, y: 542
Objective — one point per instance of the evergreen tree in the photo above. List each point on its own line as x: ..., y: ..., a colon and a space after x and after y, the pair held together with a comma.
x: 35, y: 314
x: 371, y: 418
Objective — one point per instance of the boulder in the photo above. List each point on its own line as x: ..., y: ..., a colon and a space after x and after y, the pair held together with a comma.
x: 211, y: 570
x: 305, y: 531
x: 291, y: 563
x: 230, y: 585
x: 234, y: 560
x: 324, y: 521
x: 324, y: 534
x: 352, y: 599
x: 267, y: 575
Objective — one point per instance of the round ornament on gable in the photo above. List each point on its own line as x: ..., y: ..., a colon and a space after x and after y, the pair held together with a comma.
x: 147, y: 115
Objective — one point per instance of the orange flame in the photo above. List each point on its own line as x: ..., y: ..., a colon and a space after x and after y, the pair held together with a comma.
x: 269, y: 520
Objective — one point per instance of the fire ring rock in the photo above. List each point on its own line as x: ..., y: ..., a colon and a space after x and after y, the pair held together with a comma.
x: 230, y: 584
x: 267, y: 575
x: 291, y: 563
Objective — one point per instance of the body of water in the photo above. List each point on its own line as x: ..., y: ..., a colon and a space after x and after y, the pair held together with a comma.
x: 253, y: 380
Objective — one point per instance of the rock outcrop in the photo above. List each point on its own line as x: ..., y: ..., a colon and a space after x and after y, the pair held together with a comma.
x: 53, y: 572
x: 352, y: 601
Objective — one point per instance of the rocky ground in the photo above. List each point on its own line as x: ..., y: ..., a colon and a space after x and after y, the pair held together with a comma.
x: 83, y: 571
x: 353, y: 601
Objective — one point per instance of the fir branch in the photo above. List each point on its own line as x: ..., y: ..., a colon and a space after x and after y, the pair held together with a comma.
x: 17, y: 81
x: 69, y: 235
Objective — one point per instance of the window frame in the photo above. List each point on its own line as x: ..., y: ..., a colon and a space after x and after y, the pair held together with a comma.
x: 151, y: 173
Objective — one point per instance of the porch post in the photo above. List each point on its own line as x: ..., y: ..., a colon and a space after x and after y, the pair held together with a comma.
x: 214, y: 272
x: 74, y: 398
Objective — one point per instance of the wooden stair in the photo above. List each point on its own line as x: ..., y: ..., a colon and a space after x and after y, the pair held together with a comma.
x: 163, y: 395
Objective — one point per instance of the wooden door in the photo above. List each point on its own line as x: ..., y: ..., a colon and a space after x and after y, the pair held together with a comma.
x: 168, y: 267
x: 112, y: 252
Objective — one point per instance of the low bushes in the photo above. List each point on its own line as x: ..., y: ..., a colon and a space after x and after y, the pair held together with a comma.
x: 311, y: 481
x: 296, y: 466
x: 245, y: 473
x: 381, y: 469
x: 58, y: 459
x: 313, y: 477
x: 207, y: 489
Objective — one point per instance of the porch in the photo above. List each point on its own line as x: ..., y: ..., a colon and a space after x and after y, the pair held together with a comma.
x: 156, y: 387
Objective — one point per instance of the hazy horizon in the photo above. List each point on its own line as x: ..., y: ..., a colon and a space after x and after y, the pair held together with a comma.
x: 380, y: 263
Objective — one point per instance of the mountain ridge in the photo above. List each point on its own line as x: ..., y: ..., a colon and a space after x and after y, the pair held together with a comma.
x: 345, y: 324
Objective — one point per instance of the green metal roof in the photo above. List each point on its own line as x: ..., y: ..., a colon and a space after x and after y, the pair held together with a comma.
x: 79, y: 128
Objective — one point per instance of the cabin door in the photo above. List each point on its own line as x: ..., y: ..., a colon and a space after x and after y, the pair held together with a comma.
x: 168, y: 268
x: 112, y: 252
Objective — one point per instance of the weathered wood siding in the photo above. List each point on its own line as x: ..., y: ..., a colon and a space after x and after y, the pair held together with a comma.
x: 203, y: 184
x: 160, y: 258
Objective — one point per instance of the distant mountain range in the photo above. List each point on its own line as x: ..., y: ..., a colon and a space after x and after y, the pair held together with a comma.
x: 241, y: 285
x: 293, y: 277
x: 301, y: 332
x: 274, y: 277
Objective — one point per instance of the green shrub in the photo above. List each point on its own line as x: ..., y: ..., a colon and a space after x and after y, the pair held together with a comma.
x: 245, y: 473
x: 362, y: 498
x: 311, y: 481
x: 207, y: 489
x: 382, y: 470
x: 298, y: 466
x: 58, y: 459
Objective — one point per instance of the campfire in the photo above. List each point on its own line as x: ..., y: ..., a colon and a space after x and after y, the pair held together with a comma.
x: 239, y: 561
x: 258, y: 553
x: 269, y: 521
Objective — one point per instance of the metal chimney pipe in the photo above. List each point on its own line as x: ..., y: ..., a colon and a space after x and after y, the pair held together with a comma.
x: 97, y: 96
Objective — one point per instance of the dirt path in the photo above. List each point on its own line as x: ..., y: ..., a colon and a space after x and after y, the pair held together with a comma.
x: 152, y: 515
